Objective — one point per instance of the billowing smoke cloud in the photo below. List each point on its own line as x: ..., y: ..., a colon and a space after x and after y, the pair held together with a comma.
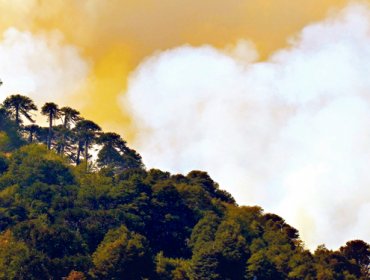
x: 117, y: 34
x: 291, y: 134
x: 40, y: 66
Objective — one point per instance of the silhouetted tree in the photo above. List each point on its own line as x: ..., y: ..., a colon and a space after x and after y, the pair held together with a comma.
x: 70, y: 116
x: 63, y: 141
x: 19, y: 105
x: 52, y: 111
x: 42, y: 135
x: 31, y: 129
x: 115, y: 154
x: 86, y: 132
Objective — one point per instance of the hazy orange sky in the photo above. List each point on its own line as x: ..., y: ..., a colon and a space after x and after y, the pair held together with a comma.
x: 116, y: 35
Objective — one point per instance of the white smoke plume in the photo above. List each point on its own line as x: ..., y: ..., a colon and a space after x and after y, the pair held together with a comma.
x: 40, y: 66
x: 291, y: 134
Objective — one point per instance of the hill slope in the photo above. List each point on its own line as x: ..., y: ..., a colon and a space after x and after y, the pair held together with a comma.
x: 65, y: 216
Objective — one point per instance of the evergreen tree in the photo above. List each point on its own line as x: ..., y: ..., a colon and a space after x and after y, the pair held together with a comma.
x: 70, y: 116
x: 86, y: 133
x: 32, y: 129
x: 18, y: 105
x: 52, y: 111
x: 115, y: 154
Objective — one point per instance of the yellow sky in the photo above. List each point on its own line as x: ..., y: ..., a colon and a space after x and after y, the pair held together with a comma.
x: 116, y: 35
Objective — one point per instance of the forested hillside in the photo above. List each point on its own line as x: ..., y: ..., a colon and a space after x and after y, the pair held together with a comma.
x: 67, y: 214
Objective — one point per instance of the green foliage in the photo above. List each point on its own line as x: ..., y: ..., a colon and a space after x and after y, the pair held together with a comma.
x: 358, y: 252
x: 113, y: 219
x: 204, y: 231
x: 122, y: 255
x: 18, y: 261
x: 205, y: 264
x: 203, y: 179
x: 34, y: 163
x: 259, y: 266
x: 171, y: 269
x: 233, y: 249
x: 10, y: 136
x: 333, y: 265
x: 171, y: 222
x: 3, y: 163
x: 115, y: 154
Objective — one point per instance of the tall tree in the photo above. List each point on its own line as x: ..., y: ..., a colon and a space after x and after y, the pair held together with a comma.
x: 59, y: 138
x: 70, y: 116
x: 115, y: 153
x: 86, y: 132
x: 52, y: 111
x: 32, y: 129
x: 64, y: 141
x: 42, y: 135
x: 18, y: 105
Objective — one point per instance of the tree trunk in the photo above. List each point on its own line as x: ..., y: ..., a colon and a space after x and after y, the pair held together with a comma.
x: 30, y: 139
x: 86, y: 152
x: 64, y: 136
x: 78, y: 153
x: 50, y: 129
x: 17, y: 115
x: 65, y: 122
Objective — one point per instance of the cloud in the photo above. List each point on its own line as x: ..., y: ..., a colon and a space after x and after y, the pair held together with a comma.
x: 117, y: 34
x: 40, y: 66
x: 291, y: 134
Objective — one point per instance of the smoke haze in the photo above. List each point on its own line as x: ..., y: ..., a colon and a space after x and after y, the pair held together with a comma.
x: 291, y: 134
x: 41, y: 66
x: 117, y: 34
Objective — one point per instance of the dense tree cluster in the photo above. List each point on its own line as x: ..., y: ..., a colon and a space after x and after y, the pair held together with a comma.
x: 113, y: 219
x: 72, y: 137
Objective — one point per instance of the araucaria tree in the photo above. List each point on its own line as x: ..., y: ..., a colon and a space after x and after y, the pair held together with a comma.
x: 86, y: 132
x: 52, y: 111
x: 18, y: 105
x: 115, y: 154
x: 70, y: 116
x: 32, y: 129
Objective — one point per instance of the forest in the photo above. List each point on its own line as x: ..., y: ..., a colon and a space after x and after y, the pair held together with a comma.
x: 78, y: 203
